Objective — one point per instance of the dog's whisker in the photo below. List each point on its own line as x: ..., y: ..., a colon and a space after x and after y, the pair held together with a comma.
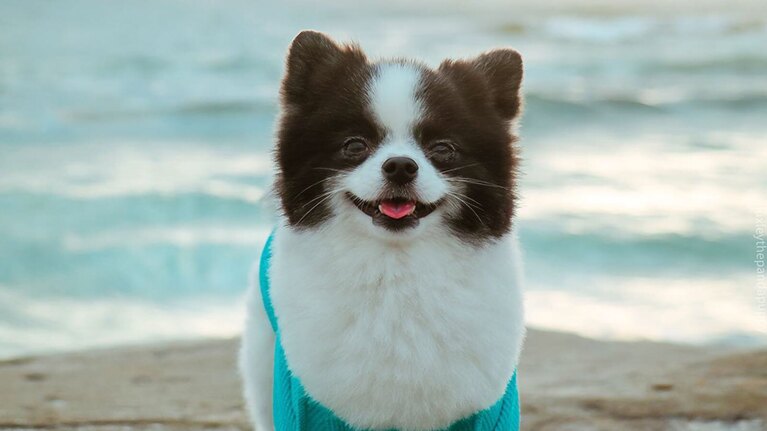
x: 460, y: 167
x: 315, y: 184
x: 455, y: 196
x: 313, y: 208
x: 322, y: 168
x: 477, y: 182
x: 322, y: 195
x: 478, y: 205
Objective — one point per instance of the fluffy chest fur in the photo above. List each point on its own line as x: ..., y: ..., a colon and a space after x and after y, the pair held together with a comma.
x: 410, y: 336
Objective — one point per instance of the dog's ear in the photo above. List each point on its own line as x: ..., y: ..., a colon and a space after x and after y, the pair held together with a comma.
x: 312, y: 64
x: 501, y: 70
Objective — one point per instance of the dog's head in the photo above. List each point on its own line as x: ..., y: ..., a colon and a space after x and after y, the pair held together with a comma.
x: 396, y: 148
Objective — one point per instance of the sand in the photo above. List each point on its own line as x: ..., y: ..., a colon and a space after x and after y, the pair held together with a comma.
x: 566, y: 383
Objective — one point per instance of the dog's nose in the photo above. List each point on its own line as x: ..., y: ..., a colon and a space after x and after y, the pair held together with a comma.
x: 400, y: 170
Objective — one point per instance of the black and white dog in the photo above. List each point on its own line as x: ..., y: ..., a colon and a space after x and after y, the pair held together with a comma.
x: 395, y: 275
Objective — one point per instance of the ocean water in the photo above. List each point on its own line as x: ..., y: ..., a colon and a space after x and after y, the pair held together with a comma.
x: 135, y: 139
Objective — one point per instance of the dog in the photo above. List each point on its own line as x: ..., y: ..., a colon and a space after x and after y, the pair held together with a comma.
x: 390, y: 288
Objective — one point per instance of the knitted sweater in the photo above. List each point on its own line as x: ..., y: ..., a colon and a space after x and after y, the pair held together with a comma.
x: 295, y: 410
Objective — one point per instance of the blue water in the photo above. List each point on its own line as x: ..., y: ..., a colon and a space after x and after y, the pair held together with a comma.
x: 135, y: 138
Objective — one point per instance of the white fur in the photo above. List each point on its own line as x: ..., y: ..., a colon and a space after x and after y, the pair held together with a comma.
x: 392, y: 96
x: 412, y: 330
x: 256, y: 361
x: 412, y: 336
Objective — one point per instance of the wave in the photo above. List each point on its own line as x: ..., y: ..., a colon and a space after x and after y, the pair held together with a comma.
x: 641, y: 103
x: 37, y: 325
x: 701, y: 310
x: 732, y: 64
x: 598, y: 27
x: 227, y: 107
x: 155, y: 169
x: 152, y: 268
x: 181, y: 237
x: 611, y: 251
x: 57, y: 215
x: 145, y: 64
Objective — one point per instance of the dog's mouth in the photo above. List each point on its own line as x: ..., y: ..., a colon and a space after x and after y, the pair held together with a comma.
x: 394, y: 213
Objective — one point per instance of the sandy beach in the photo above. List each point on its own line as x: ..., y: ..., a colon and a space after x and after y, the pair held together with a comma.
x: 566, y: 383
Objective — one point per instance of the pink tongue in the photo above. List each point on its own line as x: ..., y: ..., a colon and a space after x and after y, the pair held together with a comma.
x: 396, y: 210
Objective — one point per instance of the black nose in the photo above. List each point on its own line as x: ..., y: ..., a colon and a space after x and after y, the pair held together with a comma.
x: 400, y: 170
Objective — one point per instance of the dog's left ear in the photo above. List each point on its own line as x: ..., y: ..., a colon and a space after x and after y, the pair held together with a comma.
x: 502, y: 71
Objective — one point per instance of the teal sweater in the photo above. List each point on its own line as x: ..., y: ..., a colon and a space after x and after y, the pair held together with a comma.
x: 294, y: 410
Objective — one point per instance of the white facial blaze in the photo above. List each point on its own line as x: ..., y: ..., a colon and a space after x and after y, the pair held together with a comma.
x: 393, y: 98
x: 396, y: 108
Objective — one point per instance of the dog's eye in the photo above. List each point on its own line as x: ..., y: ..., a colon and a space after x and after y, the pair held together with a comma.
x: 355, y: 148
x: 442, y: 151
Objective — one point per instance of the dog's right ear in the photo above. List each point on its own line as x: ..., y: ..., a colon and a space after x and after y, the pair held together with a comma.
x: 313, y: 64
x: 498, y: 72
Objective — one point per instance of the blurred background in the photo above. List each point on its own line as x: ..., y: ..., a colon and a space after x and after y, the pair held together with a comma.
x: 135, y: 139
